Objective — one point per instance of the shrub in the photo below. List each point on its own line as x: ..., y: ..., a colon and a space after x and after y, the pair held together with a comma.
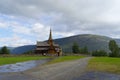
x: 99, y: 53
x: 84, y: 50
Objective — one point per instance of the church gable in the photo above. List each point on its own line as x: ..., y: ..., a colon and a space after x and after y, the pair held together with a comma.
x: 42, y: 44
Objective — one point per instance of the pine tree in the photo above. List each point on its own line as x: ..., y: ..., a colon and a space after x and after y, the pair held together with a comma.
x: 4, y: 50
x: 75, y: 48
x: 85, y: 50
x: 115, y: 52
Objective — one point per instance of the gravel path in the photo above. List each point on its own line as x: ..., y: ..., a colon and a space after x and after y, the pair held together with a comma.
x: 92, y: 75
x: 59, y: 71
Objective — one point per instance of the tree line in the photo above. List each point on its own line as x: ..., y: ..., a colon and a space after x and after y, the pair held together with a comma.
x: 76, y: 49
x: 113, y: 47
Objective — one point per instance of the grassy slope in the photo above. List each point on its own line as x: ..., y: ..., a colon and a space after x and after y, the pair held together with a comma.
x: 105, y: 64
x: 11, y: 60
x: 93, y: 42
x: 65, y: 58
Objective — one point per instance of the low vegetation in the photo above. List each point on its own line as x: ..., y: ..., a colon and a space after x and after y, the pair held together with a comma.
x: 113, y: 47
x: 99, y: 53
x: 15, y: 59
x: 105, y: 64
x: 65, y: 58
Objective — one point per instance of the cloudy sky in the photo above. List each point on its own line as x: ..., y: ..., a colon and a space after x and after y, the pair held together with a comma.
x: 24, y: 22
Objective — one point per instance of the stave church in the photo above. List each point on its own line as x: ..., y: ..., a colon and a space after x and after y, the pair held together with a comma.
x: 48, y: 47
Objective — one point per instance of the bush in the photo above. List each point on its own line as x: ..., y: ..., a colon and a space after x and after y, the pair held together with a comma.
x: 28, y: 52
x: 99, y: 53
x: 84, y: 50
x: 113, y: 55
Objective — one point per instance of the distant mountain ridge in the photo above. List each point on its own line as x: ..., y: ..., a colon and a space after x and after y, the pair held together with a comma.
x: 117, y: 41
x: 93, y: 42
x: 23, y: 49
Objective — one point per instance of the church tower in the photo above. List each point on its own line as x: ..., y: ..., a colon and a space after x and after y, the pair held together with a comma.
x: 50, y: 42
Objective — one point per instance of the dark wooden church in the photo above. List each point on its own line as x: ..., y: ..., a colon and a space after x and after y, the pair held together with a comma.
x: 48, y: 47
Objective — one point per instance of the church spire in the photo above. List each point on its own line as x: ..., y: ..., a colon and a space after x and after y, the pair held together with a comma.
x: 50, y: 35
x: 50, y: 41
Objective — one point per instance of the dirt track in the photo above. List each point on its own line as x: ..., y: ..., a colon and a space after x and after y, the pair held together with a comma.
x: 59, y: 71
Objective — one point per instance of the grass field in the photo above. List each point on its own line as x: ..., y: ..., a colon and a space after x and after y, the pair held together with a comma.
x: 106, y: 64
x: 11, y: 60
x: 65, y: 58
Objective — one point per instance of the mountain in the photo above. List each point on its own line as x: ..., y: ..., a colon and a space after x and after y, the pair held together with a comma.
x: 10, y: 48
x: 117, y: 41
x: 22, y: 49
x: 93, y: 42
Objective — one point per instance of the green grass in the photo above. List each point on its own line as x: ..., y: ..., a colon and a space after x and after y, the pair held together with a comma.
x: 105, y: 64
x: 11, y: 60
x: 65, y: 58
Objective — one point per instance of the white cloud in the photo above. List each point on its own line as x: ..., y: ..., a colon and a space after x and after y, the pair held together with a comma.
x: 63, y: 34
x: 57, y: 13
x: 3, y: 25
x: 66, y: 18
x: 15, y: 41
x: 40, y: 31
x: 21, y: 30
